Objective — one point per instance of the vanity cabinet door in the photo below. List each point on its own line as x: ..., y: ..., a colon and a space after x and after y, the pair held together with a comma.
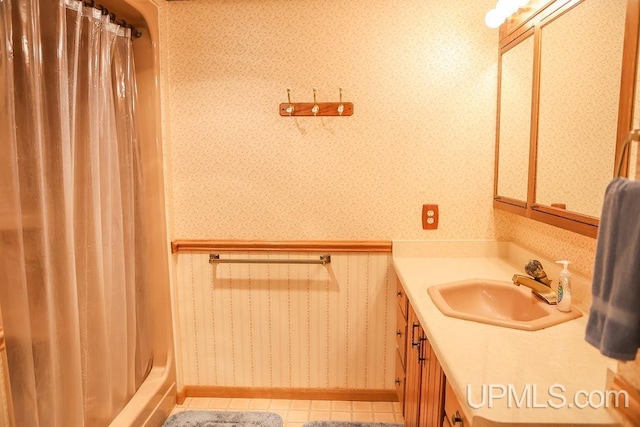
x: 414, y: 371
x: 401, y: 355
x: 401, y: 337
x: 403, y: 302
x: 400, y: 381
x: 424, y: 393
x: 431, y: 388
x: 453, y: 410
x: 401, y: 344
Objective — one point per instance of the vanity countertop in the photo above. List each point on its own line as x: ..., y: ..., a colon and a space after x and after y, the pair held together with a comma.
x: 538, y: 369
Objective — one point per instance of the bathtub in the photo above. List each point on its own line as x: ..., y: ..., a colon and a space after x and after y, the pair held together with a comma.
x: 156, y: 397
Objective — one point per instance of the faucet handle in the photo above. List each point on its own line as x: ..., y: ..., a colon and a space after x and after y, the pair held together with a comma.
x: 534, y: 269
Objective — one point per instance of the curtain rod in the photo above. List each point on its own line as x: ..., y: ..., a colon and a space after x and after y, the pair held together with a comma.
x: 112, y: 16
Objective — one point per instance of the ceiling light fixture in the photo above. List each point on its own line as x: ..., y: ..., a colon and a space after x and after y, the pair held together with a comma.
x: 503, y: 10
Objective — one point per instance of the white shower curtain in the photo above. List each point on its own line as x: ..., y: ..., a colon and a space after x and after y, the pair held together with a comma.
x: 72, y: 295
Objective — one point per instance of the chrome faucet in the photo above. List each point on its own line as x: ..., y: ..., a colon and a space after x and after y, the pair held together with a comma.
x: 539, y: 284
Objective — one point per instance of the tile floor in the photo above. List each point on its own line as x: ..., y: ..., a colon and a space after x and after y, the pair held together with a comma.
x: 295, y: 413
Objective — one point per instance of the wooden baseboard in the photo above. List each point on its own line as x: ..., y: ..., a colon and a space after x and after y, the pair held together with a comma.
x: 631, y: 411
x: 288, y: 393
x: 181, y: 395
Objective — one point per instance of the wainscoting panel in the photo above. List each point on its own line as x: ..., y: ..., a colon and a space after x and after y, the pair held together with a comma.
x: 286, y: 325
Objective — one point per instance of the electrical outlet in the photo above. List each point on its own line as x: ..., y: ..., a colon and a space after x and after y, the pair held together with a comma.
x: 429, y: 217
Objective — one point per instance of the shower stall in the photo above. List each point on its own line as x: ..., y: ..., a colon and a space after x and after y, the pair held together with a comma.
x: 85, y: 331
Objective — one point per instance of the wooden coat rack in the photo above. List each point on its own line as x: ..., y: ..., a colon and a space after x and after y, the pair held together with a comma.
x: 316, y: 109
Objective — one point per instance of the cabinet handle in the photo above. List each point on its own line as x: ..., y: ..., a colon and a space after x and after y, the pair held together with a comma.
x: 413, y: 335
x: 399, y: 333
x: 418, y: 352
x: 399, y: 293
x: 422, y: 350
x: 398, y: 381
x: 456, y: 418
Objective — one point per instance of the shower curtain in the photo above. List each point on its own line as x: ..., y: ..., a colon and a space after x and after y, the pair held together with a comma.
x: 72, y: 296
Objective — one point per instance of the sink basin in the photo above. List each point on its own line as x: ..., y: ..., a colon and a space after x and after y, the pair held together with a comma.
x: 497, y: 303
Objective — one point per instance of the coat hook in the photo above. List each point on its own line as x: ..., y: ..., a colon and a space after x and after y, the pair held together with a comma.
x: 290, y: 108
x: 341, y: 106
x: 316, y: 107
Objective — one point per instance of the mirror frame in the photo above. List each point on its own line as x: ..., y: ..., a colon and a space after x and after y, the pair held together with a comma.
x: 516, y: 29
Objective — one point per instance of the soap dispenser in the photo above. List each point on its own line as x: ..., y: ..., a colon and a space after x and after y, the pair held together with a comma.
x: 564, y: 288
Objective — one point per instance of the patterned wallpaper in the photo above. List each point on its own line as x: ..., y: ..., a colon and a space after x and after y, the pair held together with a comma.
x: 423, y: 81
x: 422, y: 78
x: 549, y: 241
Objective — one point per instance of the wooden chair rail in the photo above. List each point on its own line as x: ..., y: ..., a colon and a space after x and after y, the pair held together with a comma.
x: 282, y: 246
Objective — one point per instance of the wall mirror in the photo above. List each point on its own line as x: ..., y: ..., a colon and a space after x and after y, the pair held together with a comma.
x: 514, y: 124
x: 580, y: 70
x: 575, y: 77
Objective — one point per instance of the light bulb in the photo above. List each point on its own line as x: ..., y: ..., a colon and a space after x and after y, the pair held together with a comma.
x: 494, y: 18
x: 507, y: 7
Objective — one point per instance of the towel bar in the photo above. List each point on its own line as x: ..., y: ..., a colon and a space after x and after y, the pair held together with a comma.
x: 215, y: 259
x: 632, y: 136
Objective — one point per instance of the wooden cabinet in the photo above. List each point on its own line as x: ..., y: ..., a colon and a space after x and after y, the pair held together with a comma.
x: 453, y: 415
x: 401, y: 344
x: 423, y: 394
x: 413, y: 371
x: 6, y: 407
x: 432, y: 387
x: 403, y: 302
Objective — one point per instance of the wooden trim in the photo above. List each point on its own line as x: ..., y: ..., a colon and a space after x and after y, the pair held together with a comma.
x: 557, y: 10
x: 518, y: 210
x: 544, y: 214
x: 281, y: 246
x: 496, y: 162
x: 536, y: 12
x: 563, y: 222
x: 574, y: 216
x: 2, y: 342
x: 522, y: 21
x: 373, y: 395
x: 535, y: 116
x: 630, y: 411
x: 510, y: 201
x: 181, y: 396
x: 628, y: 79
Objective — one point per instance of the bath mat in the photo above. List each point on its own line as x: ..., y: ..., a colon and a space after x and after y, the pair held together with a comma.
x: 223, y: 419
x: 347, y: 424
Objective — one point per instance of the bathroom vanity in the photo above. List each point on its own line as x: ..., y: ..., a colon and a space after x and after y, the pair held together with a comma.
x: 481, y: 374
